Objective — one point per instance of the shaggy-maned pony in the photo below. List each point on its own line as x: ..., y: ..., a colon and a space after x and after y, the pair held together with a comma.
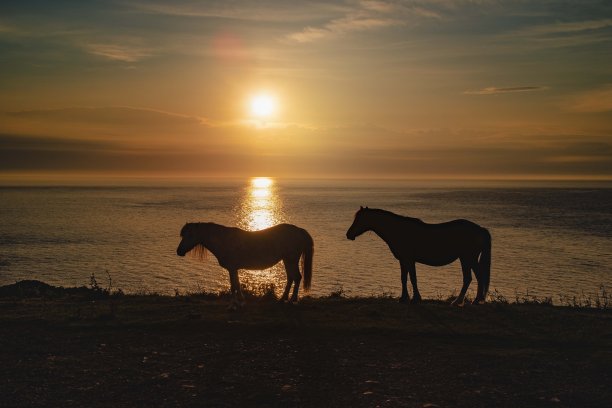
x: 412, y: 240
x: 237, y: 249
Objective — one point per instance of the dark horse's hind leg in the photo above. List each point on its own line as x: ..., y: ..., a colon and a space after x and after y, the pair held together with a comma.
x: 409, y: 268
x: 466, y: 267
x: 480, y: 291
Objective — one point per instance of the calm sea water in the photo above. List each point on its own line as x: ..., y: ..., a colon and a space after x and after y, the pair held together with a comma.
x: 548, y: 240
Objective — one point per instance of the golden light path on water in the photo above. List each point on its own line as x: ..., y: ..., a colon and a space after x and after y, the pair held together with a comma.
x: 260, y: 208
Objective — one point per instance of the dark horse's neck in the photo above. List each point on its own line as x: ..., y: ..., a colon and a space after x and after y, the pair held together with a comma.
x: 385, y: 225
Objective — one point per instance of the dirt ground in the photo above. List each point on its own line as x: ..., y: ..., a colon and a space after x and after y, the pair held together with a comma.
x: 143, y: 351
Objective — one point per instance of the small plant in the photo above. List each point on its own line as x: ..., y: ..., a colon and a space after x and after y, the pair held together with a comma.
x: 338, y: 292
x: 497, y: 297
x: 93, y: 283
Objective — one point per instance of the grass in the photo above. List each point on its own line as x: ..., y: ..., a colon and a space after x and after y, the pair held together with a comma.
x: 98, y: 347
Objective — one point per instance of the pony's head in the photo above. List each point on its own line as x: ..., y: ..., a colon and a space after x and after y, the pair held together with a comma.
x: 190, y: 241
x: 360, y: 224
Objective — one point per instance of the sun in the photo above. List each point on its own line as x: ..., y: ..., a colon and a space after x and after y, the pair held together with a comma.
x: 261, y: 182
x: 263, y: 105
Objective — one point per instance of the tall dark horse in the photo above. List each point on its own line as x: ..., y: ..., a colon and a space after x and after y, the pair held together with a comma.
x: 238, y: 249
x: 411, y: 241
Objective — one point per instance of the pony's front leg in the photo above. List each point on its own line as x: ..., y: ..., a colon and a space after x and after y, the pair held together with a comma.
x: 237, y: 296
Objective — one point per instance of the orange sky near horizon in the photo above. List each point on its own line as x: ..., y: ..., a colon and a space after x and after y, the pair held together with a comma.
x: 391, y: 89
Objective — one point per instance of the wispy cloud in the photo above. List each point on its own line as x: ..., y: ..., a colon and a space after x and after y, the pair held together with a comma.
x: 247, y: 11
x: 4, y: 28
x: 569, y: 27
x: 593, y: 101
x: 119, y: 52
x: 492, y: 90
x: 565, y: 34
x: 367, y: 15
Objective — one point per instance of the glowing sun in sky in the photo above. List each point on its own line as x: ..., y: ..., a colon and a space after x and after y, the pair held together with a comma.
x: 263, y: 105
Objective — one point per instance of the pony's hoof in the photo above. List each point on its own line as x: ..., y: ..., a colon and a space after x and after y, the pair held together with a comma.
x: 478, y: 302
x: 455, y: 303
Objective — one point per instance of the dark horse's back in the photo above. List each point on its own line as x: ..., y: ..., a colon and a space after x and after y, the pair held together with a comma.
x: 440, y: 244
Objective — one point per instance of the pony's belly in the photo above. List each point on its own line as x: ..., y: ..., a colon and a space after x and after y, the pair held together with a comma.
x: 259, y: 265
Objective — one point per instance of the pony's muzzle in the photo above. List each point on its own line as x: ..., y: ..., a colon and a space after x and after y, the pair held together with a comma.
x: 352, y: 238
x: 179, y: 253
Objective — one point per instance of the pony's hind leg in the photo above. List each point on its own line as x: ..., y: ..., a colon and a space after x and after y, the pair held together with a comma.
x: 285, y: 295
x: 293, y: 274
x: 480, y: 291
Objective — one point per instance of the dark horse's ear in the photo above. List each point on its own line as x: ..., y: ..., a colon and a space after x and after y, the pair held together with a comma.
x: 360, y: 207
x: 366, y: 207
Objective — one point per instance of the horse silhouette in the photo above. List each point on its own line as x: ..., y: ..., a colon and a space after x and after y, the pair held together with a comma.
x: 412, y: 240
x: 237, y: 249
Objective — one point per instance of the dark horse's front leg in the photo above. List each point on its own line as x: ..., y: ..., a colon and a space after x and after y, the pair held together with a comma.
x: 409, y: 267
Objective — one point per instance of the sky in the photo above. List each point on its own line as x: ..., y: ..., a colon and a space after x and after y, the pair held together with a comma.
x: 392, y: 89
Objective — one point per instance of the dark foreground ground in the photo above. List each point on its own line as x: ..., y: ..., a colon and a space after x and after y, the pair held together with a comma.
x: 142, y: 351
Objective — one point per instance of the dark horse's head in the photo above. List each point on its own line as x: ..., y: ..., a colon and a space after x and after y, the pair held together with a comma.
x: 359, y: 226
x: 188, y: 239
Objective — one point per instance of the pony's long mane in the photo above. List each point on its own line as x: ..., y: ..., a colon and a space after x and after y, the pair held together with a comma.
x: 199, y: 251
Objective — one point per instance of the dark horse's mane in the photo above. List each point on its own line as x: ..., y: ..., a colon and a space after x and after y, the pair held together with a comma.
x: 394, y: 215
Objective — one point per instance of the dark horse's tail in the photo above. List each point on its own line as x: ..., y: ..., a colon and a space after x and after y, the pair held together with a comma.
x: 484, y: 264
x: 307, y: 254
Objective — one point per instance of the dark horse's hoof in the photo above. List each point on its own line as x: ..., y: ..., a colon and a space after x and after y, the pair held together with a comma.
x: 404, y: 300
x: 416, y: 300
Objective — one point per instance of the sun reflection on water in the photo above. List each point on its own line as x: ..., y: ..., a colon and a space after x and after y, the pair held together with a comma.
x: 261, y: 207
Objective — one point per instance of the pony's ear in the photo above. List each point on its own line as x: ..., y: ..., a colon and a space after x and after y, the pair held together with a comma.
x: 360, y: 207
x: 366, y: 207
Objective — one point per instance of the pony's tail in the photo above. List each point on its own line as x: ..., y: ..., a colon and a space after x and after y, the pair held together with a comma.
x: 484, y: 264
x: 307, y: 260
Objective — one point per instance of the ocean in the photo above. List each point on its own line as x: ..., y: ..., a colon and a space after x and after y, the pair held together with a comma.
x: 549, y: 239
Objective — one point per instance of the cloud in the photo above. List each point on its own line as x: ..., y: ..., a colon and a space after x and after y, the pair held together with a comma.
x: 120, y: 115
x: 295, y: 151
x: 564, y: 34
x: 121, y: 124
x: 567, y: 28
x: 119, y: 52
x: 367, y: 15
x: 592, y: 101
x: 245, y: 11
x: 492, y: 90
